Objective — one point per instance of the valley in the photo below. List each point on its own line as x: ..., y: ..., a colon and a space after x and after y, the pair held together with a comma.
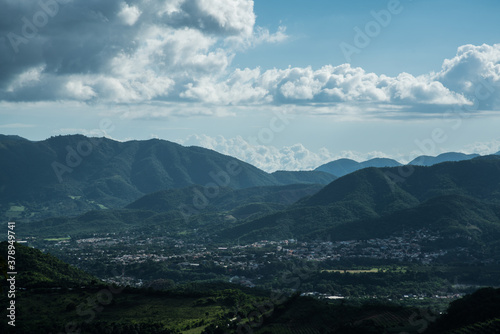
x: 410, y: 245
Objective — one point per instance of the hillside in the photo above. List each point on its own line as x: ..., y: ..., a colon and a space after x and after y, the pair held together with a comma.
x: 227, y: 199
x: 67, y: 175
x: 478, y: 313
x: 455, y: 197
x: 170, y: 210
x: 343, y: 167
x: 36, y: 269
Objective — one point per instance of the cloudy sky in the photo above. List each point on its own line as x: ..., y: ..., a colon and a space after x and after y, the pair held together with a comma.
x: 281, y: 84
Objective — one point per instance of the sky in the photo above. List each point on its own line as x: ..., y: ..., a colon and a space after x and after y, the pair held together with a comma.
x: 280, y: 84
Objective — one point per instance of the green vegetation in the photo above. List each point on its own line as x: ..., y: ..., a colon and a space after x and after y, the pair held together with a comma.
x: 371, y: 246
x: 111, y: 174
x: 36, y: 269
x: 475, y: 313
x: 57, y: 239
x: 456, y: 198
x: 61, y: 304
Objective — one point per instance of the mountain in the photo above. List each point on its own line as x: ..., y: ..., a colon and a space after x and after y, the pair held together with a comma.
x: 227, y: 199
x: 11, y: 137
x: 176, y: 210
x: 425, y: 160
x: 73, y: 174
x: 477, y: 223
x: 476, y: 313
x: 36, y: 269
x: 343, y: 167
x: 463, y: 197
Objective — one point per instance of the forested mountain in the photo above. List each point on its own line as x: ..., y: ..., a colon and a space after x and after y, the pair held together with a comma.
x: 343, y: 167
x: 177, y: 210
x: 36, y: 269
x: 454, y: 197
x: 67, y: 175
x: 425, y: 160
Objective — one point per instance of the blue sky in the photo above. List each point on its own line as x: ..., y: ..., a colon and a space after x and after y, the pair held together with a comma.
x: 265, y: 81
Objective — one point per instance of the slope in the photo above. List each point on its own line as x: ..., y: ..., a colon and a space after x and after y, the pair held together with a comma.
x: 343, y: 167
x: 67, y: 175
x: 372, y: 195
x: 36, y: 269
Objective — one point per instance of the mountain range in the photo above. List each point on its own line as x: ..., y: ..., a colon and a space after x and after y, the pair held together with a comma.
x: 459, y: 199
x: 343, y: 167
x: 68, y: 175
x: 174, y: 189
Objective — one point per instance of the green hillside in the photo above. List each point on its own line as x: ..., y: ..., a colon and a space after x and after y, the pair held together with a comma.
x: 475, y: 313
x: 67, y: 175
x: 36, y: 269
x: 173, y: 211
x: 456, y: 197
x: 343, y: 167
x: 226, y: 199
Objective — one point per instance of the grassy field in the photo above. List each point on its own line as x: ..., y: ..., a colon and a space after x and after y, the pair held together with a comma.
x: 57, y: 239
x: 371, y: 270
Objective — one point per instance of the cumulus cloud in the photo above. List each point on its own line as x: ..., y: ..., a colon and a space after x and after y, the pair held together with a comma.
x: 180, y: 51
x: 474, y: 71
x: 483, y: 148
x: 134, y: 51
x: 129, y: 14
x: 271, y: 158
x: 298, y: 157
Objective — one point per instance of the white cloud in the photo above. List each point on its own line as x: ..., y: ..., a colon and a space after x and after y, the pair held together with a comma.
x: 16, y: 126
x: 298, y: 157
x: 230, y: 15
x: 261, y: 36
x: 483, y: 148
x: 78, y: 90
x: 129, y: 14
x: 115, y: 51
x: 27, y: 78
x: 329, y: 84
x: 271, y: 158
x: 474, y: 72
x: 181, y: 51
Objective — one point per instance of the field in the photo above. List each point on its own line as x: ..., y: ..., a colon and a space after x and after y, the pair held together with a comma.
x: 371, y: 270
x: 57, y: 239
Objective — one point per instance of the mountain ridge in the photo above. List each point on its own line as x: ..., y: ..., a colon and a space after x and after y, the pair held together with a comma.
x: 76, y: 173
x: 370, y: 195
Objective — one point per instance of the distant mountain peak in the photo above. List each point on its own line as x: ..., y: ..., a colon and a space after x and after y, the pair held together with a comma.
x: 425, y: 160
x: 345, y: 166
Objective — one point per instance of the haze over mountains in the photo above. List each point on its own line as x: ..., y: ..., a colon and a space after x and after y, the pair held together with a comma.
x: 103, y: 204
x: 343, y: 167
x: 452, y: 198
x: 74, y: 173
x: 173, y: 189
